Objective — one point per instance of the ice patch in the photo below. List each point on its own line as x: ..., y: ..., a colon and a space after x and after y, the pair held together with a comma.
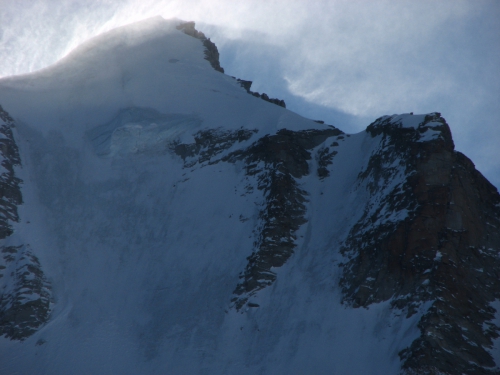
x: 141, y: 130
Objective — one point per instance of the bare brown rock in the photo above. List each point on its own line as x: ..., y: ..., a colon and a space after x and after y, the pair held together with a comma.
x: 446, y: 251
x: 211, y: 51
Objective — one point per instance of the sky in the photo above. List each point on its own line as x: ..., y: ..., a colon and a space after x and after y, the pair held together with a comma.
x: 344, y: 62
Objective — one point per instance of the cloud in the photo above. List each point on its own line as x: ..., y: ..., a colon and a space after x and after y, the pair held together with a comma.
x: 353, y: 58
x: 365, y: 58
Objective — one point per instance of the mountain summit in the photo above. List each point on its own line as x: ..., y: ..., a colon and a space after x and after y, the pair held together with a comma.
x: 157, y: 216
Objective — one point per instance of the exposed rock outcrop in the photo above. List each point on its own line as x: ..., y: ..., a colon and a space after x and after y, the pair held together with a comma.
x: 278, y: 162
x: 24, y: 290
x: 25, y: 293
x: 208, y: 144
x: 325, y: 156
x: 247, y: 84
x: 10, y: 192
x: 434, y: 237
x: 211, y: 51
x: 212, y: 56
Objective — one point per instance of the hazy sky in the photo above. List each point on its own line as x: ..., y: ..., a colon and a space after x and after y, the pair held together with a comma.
x: 346, y: 62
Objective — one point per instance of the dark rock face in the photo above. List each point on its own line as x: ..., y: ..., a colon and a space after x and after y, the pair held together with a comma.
x: 212, y: 56
x: 325, y: 157
x: 24, y: 290
x: 265, y: 97
x: 10, y: 192
x: 442, y: 249
x: 25, y: 293
x: 462, y: 218
x: 247, y: 84
x: 278, y: 162
x: 211, y: 51
x: 389, y: 177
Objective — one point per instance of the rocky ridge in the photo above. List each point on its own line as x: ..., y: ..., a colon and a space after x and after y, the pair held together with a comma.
x: 25, y: 300
x: 211, y: 51
x: 212, y: 56
x: 430, y: 233
x: 276, y: 162
x: 24, y: 290
x: 248, y: 84
x: 10, y: 192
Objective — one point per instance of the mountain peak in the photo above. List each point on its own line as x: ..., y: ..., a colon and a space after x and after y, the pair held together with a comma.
x: 421, y: 128
x: 156, y: 214
x: 149, y: 64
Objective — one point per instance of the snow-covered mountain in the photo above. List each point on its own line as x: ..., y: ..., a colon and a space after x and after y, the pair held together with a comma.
x: 156, y: 216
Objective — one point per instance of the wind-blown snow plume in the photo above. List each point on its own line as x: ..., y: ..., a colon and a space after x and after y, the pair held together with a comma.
x: 347, y: 57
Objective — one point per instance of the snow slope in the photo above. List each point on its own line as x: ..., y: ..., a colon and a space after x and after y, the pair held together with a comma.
x: 143, y: 251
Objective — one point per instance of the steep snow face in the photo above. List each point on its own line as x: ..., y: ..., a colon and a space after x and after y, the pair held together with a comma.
x: 181, y: 225
x: 144, y: 252
x: 141, y: 130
